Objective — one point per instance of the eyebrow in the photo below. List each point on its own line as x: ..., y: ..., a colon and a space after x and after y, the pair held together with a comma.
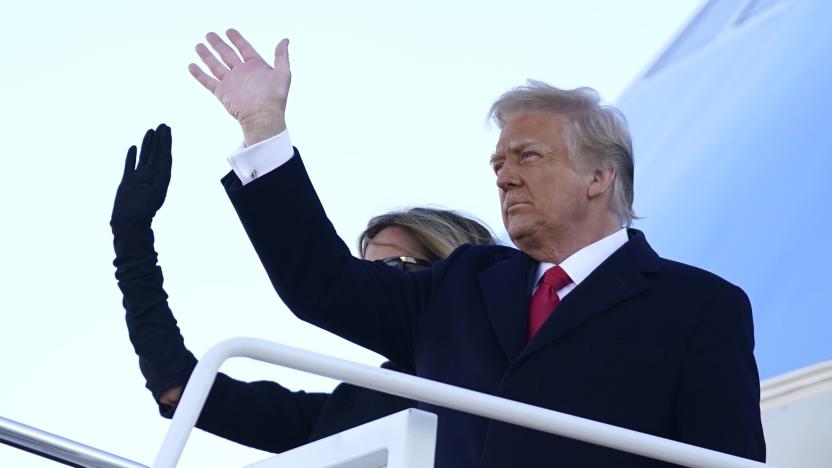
x: 519, y: 146
x: 514, y: 147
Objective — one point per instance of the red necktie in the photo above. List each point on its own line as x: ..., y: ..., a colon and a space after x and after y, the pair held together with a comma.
x: 545, y: 299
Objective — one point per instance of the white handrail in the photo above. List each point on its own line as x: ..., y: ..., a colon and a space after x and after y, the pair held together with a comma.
x: 437, y: 393
x: 61, y: 449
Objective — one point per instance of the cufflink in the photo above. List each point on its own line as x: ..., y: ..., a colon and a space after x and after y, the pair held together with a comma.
x: 253, y: 174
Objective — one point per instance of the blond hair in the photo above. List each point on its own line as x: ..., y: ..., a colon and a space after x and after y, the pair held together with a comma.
x: 595, y: 130
x: 439, y: 232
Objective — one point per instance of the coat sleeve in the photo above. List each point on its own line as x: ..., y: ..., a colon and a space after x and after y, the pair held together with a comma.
x: 263, y: 415
x: 719, y: 395
x: 312, y: 270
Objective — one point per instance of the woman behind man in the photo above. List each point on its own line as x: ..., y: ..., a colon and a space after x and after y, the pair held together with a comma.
x: 262, y: 414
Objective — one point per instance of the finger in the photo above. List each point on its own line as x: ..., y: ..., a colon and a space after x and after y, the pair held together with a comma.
x: 129, y: 162
x: 166, y: 139
x: 157, y: 146
x: 165, y: 158
x: 143, y: 154
x: 204, y: 79
x: 227, y: 54
x: 281, y: 56
x: 163, y: 152
x: 246, y: 50
x: 217, y: 69
x: 161, y: 157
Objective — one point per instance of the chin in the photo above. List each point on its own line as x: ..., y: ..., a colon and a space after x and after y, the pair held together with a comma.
x: 520, y: 235
x: 526, y: 235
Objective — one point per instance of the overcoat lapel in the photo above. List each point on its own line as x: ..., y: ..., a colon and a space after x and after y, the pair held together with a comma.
x: 617, y: 279
x: 505, y: 290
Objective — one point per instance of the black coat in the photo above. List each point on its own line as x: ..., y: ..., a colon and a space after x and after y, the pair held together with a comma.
x: 644, y: 343
x: 263, y: 415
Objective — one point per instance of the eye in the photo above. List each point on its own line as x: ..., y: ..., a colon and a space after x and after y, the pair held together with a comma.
x: 497, y: 166
x: 528, y: 155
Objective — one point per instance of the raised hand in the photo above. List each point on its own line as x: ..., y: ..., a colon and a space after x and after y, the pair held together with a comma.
x: 251, y: 90
x: 144, y: 186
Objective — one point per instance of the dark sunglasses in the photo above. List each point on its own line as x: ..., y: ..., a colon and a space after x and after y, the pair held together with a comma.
x: 406, y: 263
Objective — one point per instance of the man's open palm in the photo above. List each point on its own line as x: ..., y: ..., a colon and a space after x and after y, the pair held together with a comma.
x: 251, y: 90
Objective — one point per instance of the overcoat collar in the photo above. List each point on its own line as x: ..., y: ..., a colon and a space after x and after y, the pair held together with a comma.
x: 506, y: 288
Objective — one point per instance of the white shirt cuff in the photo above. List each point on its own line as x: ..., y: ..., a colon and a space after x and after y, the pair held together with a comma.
x: 261, y: 158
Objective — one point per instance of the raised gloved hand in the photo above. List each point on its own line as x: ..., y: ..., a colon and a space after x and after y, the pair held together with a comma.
x: 144, y: 186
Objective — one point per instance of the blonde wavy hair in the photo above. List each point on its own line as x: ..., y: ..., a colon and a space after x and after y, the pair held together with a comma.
x: 438, y: 231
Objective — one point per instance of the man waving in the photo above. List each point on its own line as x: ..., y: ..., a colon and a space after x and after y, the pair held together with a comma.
x: 584, y: 317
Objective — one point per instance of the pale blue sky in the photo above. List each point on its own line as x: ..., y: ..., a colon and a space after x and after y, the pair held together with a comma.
x: 387, y: 105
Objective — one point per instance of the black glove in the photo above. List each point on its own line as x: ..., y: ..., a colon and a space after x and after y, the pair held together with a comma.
x: 143, y: 188
x: 163, y: 358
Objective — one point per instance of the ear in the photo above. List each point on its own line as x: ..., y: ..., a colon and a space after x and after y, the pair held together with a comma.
x: 601, y: 182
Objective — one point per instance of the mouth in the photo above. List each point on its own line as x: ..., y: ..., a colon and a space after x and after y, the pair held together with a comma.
x: 515, y: 205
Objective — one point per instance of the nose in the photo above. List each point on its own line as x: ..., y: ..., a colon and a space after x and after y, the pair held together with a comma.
x: 507, y: 178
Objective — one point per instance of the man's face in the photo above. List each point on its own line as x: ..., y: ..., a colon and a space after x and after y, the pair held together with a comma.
x: 543, y: 192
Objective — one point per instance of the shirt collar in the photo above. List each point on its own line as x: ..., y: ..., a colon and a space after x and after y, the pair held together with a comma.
x: 583, y: 262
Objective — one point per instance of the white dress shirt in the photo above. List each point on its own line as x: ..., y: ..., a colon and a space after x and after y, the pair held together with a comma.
x: 263, y: 157
x: 583, y: 262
